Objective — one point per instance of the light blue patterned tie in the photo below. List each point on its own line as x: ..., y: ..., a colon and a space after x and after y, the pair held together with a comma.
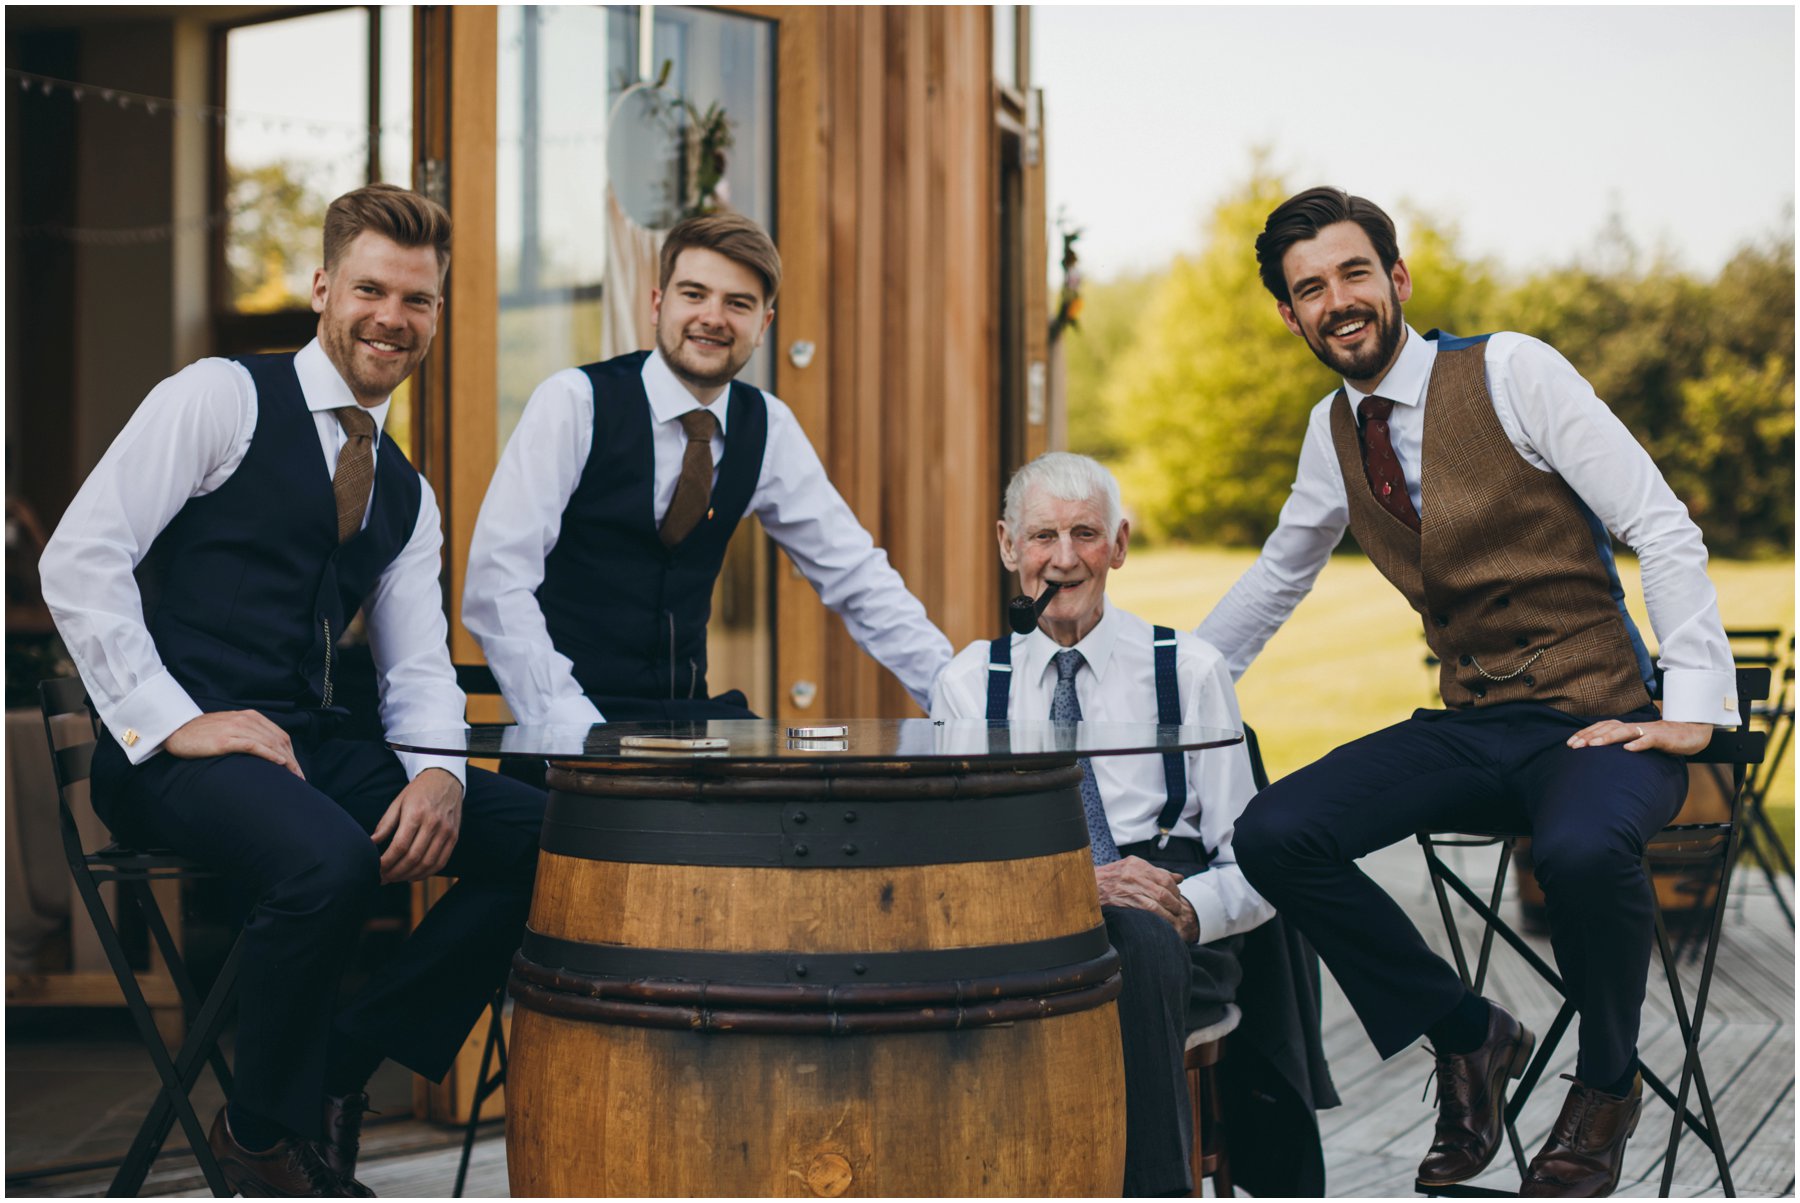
x: 1065, y: 707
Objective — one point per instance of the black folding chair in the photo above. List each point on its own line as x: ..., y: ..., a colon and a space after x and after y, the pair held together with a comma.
x: 477, y: 679
x: 1689, y: 844
x: 1763, y: 844
x: 133, y: 870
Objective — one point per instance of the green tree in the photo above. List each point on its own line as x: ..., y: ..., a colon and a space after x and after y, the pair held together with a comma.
x: 1092, y: 352
x: 272, y: 241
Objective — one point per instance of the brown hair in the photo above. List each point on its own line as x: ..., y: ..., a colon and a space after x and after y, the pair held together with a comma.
x: 1301, y: 217
x: 732, y: 235
x: 391, y: 211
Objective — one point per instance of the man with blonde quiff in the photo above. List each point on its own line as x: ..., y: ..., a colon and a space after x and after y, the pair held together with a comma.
x: 203, y: 579
x: 605, y: 527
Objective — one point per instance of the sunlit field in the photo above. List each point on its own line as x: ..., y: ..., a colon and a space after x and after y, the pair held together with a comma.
x: 1352, y: 657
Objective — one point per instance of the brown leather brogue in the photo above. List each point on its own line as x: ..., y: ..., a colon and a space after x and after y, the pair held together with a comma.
x: 1471, y: 1099
x: 343, y: 1138
x: 292, y: 1169
x: 1585, y: 1151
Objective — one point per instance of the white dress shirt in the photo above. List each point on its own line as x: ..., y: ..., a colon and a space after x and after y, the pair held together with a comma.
x: 1117, y: 683
x: 1554, y: 420
x: 521, y: 519
x: 185, y: 440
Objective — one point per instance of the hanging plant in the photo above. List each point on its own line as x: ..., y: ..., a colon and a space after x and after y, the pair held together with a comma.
x: 1068, y: 300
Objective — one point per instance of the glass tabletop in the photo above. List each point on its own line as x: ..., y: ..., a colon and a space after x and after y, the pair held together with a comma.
x: 762, y: 740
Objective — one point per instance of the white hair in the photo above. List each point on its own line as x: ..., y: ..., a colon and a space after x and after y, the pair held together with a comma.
x: 1067, y: 477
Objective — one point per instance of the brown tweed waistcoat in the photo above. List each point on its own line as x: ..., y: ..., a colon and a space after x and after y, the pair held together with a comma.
x: 1516, y: 600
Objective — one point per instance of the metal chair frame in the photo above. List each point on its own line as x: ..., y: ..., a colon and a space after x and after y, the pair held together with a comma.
x: 1764, y: 845
x: 132, y: 870
x: 479, y: 679
x: 1682, y: 843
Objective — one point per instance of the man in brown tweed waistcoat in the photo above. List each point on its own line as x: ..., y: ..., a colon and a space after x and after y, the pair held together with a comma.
x: 1484, y: 479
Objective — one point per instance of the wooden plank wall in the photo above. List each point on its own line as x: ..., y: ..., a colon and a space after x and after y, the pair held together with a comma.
x: 888, y: 205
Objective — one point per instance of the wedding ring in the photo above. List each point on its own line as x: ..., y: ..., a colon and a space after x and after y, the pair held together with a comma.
x: 1640, y: 732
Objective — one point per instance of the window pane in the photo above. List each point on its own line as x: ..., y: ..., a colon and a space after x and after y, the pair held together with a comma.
x: 396, y: 94
x: 1006, y: 44
x: 592, y: 167
x: 297, y: 94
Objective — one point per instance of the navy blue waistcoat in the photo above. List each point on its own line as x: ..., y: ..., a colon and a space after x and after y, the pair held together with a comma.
x: 629, y: 613
x: 247, y: 591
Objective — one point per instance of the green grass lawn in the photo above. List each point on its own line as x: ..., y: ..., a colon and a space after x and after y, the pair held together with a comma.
x: 1351, y: 659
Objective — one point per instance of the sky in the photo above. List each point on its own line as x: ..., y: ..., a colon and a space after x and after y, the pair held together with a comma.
x: 1525, y: 128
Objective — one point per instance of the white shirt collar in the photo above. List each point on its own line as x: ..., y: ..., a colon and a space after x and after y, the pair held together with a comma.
x: 324, y: 389
x: 1096, y: 647
x: 1406, y: 380
x: 669, y: 398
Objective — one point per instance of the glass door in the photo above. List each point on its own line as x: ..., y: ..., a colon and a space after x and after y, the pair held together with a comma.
x: 607, y: 134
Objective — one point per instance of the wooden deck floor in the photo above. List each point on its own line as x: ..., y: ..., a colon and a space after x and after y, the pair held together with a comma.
x: 1374, y: 1142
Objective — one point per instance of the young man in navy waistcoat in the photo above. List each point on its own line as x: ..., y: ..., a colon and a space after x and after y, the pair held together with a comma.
x: 203, y: 579
x: 592, y: 567
x: 1486, y: 481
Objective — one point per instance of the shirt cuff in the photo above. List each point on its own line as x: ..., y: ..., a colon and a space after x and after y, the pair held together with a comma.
x: 152, y: 712
x: 1700, y: 695
x: 1207, y: 906
x: 576, y: 711
x: 414, y: 764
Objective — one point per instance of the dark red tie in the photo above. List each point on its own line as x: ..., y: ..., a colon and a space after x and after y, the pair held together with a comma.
x: 1386, y: 481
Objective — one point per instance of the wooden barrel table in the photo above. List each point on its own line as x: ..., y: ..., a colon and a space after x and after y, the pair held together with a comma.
x: 815, y: 978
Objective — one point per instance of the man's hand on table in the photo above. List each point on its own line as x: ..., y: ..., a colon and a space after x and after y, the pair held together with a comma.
x: 1678, y: 739
x: 423, y: 821
x: 1136, y: 883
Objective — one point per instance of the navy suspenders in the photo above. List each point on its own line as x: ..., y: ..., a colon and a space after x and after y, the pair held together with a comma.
x: 1168, y: 714
x: 999, y: 677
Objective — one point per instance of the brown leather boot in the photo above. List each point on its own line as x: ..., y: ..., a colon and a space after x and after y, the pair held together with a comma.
x: 1471, y: 1098
x: 292, y: 1169
x: 343, y: 1138
x: 1585, y: 1151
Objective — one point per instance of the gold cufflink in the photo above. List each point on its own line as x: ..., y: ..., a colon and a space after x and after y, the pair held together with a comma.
x: 709, y: 513
x: 131, y: 737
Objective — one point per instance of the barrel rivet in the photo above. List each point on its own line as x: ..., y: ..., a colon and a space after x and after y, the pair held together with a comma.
x: 849, y: 816
x: 799, y: 970
x: 860, y: 968
x: 849, y: 849
x: 799, y: 816
x: 799, y: 849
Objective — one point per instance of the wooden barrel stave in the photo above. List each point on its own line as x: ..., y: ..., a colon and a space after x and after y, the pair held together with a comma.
x: 1004, y: 1110
x: 699, y: 1079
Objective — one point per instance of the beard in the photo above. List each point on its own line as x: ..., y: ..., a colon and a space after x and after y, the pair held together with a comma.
x: 688, y: 367
x: 367, y: 377
x: 1371, y: 359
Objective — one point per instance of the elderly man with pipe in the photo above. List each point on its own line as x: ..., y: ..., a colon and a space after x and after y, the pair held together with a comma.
x: 1175, y: 904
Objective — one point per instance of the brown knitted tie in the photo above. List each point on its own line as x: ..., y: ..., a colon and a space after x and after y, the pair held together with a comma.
x: 1386, y: 481
x: 693, y: 491
x: 355, y: 469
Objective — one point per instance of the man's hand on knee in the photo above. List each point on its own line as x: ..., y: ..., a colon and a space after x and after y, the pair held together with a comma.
x: 420, y: 827
x: 233, y: 731
x: 1137, y: 883
x: 1679, y: 739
